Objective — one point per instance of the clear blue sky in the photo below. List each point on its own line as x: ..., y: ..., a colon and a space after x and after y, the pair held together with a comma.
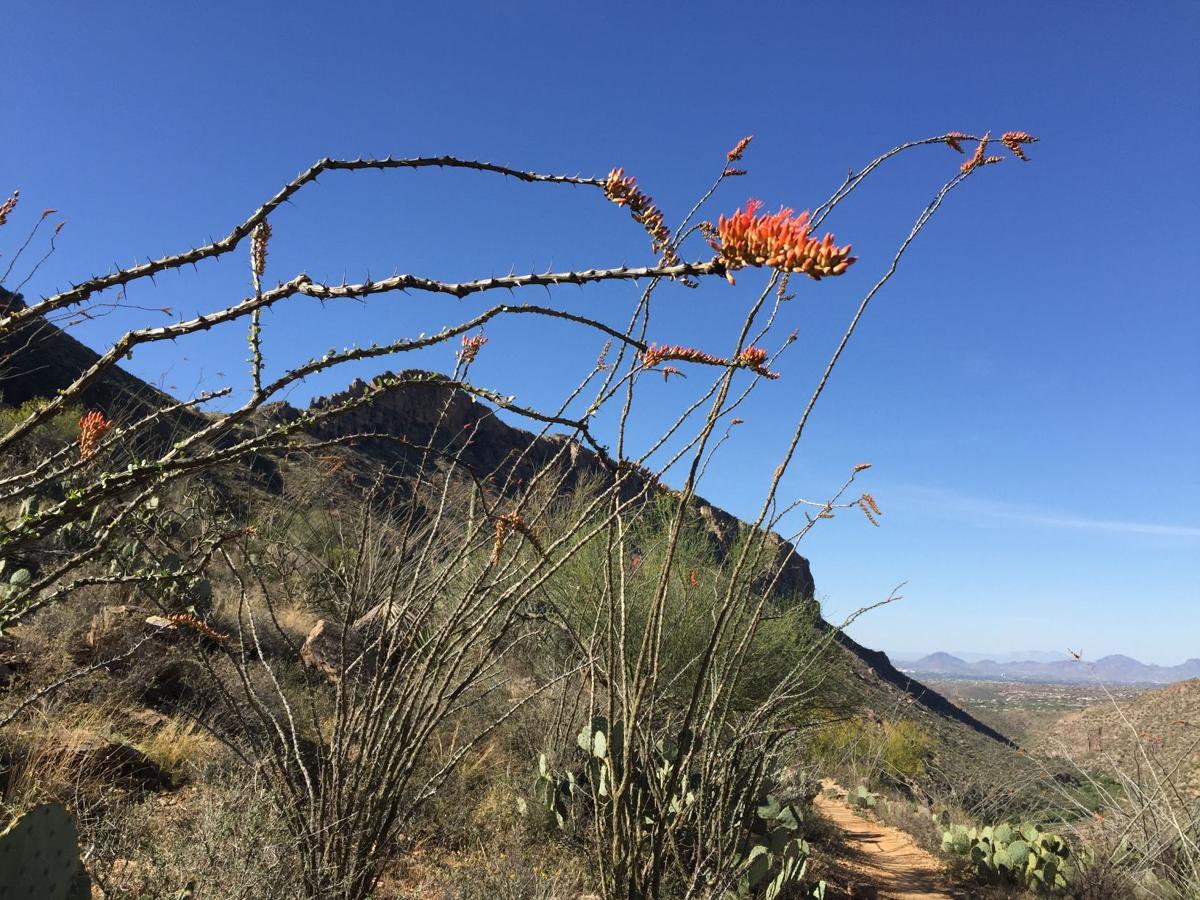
x: 1026, y: 388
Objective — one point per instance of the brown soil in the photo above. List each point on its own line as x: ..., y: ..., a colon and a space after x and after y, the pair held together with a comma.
x: 885, y: 858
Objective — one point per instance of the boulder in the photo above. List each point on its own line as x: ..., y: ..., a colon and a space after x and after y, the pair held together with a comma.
x: 334, y: 650
x: 112, y: 631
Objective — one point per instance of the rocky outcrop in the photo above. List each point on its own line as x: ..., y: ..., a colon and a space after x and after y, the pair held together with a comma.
x: 335, y: 651
x: 38, y: 360
x: 423, y: 410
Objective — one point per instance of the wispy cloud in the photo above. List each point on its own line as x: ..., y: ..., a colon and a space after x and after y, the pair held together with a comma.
x: 983, y: 510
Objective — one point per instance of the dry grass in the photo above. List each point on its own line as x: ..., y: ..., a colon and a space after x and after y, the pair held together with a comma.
x: 181, y: 749
x: 44, y: 755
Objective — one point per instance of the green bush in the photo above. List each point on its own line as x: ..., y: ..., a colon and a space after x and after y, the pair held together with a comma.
x: 53, y: 434
x: 895, y: 751
x: 906, y: 749
x: 785, y: 638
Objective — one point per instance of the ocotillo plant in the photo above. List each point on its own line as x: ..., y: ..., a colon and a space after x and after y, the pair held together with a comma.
x: 468, y: 564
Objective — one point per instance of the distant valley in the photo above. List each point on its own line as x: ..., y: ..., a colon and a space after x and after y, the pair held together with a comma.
x: 1114, y: 669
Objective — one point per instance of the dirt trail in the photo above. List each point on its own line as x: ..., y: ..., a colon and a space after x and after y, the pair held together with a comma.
x: 885, y: 856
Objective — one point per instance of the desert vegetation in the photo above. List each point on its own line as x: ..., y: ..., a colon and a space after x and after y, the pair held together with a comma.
x: 393, y: 645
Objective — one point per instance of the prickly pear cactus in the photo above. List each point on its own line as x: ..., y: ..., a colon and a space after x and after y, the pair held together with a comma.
x: 862, y: 798
x: 773, y: 857
x: 39, y: 857
x: 776, y: 856
x: 1003, y: 854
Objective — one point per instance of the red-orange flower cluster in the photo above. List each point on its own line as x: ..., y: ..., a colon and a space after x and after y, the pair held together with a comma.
x: 92, y: 428
x: 781, y: 240
x: 978, y: 158
x: 751, y: 358
x: 1013, y: 141
x: 736, y: 153
x: 756, y: 358
x: 622, y: 190
x: 471, y: 347
x: 8, y: 206
x: 869, y: 507
x: 656, y: 354
x: 954, y: 140
x: 198, y: 625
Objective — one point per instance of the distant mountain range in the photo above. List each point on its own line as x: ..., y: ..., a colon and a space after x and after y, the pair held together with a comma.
x: 971, y: 656
x: 1115, y: 669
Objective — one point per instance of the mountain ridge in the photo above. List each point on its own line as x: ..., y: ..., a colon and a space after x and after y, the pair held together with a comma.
x: 1115, y: 668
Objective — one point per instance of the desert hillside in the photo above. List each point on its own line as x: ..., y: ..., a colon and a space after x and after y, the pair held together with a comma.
x: 1151, y: 733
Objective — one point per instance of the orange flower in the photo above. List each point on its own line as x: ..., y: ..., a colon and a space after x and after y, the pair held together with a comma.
x: 736, y: 153
x: 198, y: 625
x: 1013, y: 141
x: 622, y: 190
x: 751, y: 358
x: 92, y: 428
x: 656, y: 354
x: 756, y: 358
x: 8, y: 206
x: 781, y: 240
x: 471, y: 347
x: 869, y: 507
x: 953, y: 140
x: 978, y: 158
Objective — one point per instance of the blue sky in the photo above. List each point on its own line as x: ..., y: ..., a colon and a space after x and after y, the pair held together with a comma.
x: 1025, y: 388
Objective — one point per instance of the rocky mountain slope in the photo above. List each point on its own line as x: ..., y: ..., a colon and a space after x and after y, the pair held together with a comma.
x: 1158, y: 729
x: 39, y: 359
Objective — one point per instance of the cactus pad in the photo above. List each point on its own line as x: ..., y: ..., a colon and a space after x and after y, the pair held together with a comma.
x: 39, y: 857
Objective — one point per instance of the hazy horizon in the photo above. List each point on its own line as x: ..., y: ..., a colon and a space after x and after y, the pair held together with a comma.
x: 1011, y: 656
